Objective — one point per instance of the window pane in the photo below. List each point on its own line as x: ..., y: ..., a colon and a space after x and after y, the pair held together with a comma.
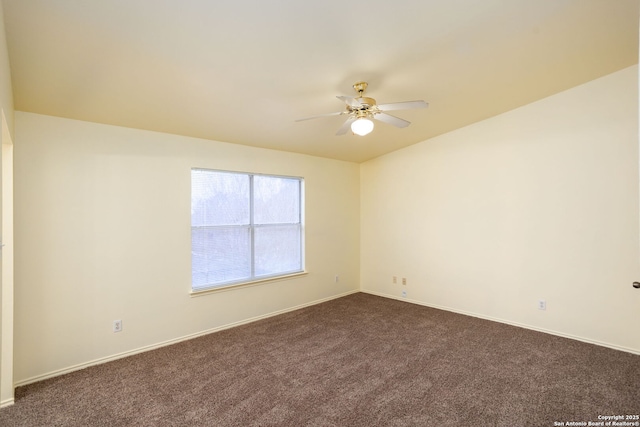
x: 219, y: 198
x: 220, y: 254
x: 277, y: 249
x: 276, y: 200
x: 232, y: 244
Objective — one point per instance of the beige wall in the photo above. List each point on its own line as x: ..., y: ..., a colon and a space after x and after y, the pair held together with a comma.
x: 6, y: 273
x: 6, y: 93
x: 6, y: 283
x: 103, y: 232
x: 537, y: 203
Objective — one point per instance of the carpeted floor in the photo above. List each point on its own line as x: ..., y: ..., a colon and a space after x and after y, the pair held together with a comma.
x: 360, y: 360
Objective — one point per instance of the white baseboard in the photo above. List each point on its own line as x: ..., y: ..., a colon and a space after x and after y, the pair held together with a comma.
x: 508, y: 322
x: 7, y: 402
x: 172, y: 341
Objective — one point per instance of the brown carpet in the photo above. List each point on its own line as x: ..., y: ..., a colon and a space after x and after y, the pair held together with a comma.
x: 360, y: 360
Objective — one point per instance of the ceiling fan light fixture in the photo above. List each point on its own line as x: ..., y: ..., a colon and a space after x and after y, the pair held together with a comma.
x: 361, y: 112
x: 362, y: 126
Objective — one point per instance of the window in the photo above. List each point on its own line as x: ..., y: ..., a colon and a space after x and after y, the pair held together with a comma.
x: 244, y: 227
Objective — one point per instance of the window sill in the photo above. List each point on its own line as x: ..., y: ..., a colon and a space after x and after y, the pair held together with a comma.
x: 212, y: 290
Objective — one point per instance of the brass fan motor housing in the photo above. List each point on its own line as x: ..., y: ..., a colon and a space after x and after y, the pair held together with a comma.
x: 369, y: 102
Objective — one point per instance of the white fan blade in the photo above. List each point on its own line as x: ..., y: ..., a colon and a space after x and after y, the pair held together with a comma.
x: 408, y: 105
x: 322, y: 115
x: 392, y: 120
x: 350, y: 101
x: 346, y: 126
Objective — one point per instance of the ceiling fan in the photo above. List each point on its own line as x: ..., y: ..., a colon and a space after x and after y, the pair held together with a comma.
x: 362, y: 109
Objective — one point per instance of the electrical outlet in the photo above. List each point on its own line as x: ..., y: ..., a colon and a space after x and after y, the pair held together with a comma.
x: 117, y: 325
x: 404, y: 294
x: 395, y: 280
x: 542, y: 304
x: 337, y: 278
x: 404, y: 281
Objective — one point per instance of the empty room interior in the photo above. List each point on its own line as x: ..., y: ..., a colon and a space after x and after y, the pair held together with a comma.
x: 499, y: 185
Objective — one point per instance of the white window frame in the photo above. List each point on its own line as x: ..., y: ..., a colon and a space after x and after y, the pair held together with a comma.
x: 253, y: 279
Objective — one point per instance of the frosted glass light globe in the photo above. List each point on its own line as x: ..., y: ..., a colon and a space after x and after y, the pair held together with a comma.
x: 362, y: 126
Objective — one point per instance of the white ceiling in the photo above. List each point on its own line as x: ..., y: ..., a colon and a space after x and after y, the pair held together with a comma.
x: 243, y: 71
